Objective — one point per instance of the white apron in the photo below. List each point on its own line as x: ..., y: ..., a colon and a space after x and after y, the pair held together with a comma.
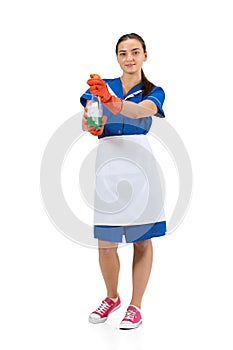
x: 128, y: 187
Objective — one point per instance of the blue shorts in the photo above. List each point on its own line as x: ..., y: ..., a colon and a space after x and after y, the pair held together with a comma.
x: 132, y: 234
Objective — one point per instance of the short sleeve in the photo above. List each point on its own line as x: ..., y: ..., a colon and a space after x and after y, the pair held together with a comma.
x: 157, y: 96
x: 85, y: 97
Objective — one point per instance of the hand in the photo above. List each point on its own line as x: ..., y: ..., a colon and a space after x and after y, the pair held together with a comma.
x: 99, y: 88
x: 95, y: 131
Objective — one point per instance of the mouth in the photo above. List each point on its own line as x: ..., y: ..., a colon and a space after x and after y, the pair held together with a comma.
x: 130, y: 65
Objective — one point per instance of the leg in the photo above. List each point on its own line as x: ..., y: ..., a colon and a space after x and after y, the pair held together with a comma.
x: 142, y: 263
x: 110, y: 266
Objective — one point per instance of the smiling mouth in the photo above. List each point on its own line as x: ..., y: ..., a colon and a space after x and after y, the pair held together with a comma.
x: 130, y: 65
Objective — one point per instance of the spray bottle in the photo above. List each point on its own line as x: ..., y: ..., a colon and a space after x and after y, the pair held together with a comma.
x: 94, y: 109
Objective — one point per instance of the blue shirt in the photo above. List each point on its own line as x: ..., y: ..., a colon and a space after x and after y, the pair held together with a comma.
x: 120, y: 124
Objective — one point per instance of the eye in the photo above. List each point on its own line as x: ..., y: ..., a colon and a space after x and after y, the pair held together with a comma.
x: 122, y: 54
x: 136, y: 53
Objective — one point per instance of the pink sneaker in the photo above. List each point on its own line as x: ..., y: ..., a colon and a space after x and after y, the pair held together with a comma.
x: 132, y: 318
x: 102, y: 312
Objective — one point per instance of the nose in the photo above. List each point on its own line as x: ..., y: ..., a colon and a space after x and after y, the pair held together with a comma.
x: 129, y: 56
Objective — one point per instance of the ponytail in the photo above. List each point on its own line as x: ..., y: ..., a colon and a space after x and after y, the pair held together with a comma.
x: 147, y: 86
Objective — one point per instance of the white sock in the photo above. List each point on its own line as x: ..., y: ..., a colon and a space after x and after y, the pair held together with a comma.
x: 114, y: 299
x: 136, y: 307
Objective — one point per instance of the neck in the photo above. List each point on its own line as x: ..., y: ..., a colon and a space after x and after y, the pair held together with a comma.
x: 130, y: 80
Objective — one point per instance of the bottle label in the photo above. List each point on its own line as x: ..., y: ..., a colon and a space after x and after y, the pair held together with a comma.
x: 94, y: 121
x: 94, y: 117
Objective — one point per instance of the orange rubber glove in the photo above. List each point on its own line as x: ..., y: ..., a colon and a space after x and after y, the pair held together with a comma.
x: 99, y: 88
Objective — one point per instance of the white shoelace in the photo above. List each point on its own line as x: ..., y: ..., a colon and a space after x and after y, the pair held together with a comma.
x: 103, y: 307
x: 130, y: 315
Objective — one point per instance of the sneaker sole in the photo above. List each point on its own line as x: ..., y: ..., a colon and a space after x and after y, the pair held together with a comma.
x: 103, y: 319
x: 130, y: 326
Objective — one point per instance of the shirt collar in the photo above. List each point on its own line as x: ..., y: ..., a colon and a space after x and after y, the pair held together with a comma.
x: 116, y: 87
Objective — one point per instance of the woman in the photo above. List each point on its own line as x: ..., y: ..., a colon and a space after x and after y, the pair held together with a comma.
x: 129, y: 102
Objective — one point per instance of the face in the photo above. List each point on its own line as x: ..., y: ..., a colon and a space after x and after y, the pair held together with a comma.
x: 131, y: 56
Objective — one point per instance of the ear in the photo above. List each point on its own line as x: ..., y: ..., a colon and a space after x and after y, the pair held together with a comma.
x: 145, y: 54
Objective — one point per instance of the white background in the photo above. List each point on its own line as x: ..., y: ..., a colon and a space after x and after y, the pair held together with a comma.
x: 49, y: 284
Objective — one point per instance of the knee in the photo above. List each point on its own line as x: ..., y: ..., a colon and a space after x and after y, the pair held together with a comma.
x: 107, y: 249
x: 142, y: 246
x: 107, y: 252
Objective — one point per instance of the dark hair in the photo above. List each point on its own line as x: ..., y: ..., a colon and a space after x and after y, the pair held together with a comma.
x: 147, y: 86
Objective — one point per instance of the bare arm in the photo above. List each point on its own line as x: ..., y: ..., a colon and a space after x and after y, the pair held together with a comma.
x: 139, y: 110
